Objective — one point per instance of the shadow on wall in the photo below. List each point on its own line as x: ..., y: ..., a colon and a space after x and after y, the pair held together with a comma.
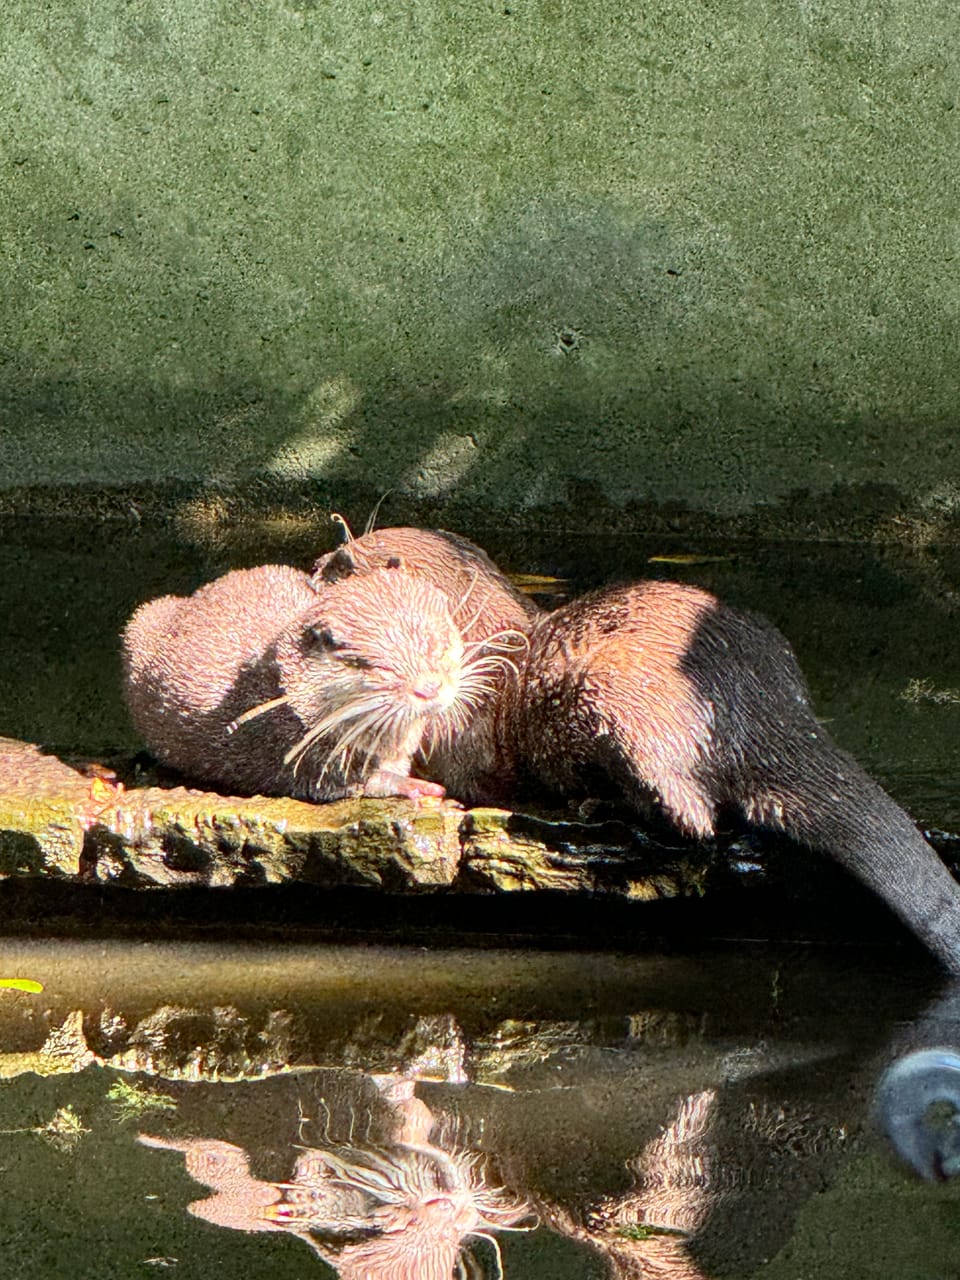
x: 571, y: 344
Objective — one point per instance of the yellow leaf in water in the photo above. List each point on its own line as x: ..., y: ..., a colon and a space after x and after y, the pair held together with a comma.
x: 21, y: 984
x: 687, y: 557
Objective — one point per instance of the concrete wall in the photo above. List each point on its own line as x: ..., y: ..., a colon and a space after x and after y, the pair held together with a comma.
x: 702, y: 252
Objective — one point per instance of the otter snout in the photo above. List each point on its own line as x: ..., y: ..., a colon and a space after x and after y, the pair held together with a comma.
x: 433, y: 692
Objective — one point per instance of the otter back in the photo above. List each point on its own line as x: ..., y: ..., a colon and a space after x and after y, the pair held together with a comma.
x: 193, y: 664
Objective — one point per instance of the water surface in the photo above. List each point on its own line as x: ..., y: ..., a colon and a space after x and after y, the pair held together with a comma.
x: 355, y: 1111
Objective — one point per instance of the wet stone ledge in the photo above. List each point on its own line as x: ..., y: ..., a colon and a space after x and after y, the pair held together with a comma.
x: 80, y: 823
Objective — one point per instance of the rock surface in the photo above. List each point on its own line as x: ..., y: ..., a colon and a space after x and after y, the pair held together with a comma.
x: 59, y: 821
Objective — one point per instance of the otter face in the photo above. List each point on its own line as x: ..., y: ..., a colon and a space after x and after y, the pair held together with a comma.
x: 376, y: 661
x: 415, y: 657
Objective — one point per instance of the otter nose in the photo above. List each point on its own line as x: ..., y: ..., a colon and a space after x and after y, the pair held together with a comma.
x: 427, y: 688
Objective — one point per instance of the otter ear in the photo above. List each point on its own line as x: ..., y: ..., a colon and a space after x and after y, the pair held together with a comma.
x: 338, y: 564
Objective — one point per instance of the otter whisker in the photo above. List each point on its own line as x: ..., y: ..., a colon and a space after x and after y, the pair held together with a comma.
x: 460, y: 715
x: 296, y: 753
x: 464, y: 710
x: 383, y: 723
x: 481, y: 680
x: 509, y: 639
x: 377, y: 728
x: 354, y: 728
x: 371, y: 522
x: 468, y: 701
x: 439, y: 735
x: 492, y: 656
x: 492, y: 1240
x: 340, y: 713
x: 480, y: 650
x: 461, y: 604
x: 253, y: 712
x: 492, y: 662
x: 478, y: 688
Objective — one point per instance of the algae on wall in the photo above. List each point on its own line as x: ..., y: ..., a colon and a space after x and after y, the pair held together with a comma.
x: 698, y: 253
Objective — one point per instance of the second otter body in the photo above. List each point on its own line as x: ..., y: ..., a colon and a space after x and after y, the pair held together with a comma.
x: 691, y: 707
x: 702, y: 709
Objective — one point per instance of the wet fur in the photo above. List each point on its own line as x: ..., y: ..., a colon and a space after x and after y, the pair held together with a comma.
x: 194, y: 664
x: 702, y: 709
x: 688, y: 707
x: 265, y: 682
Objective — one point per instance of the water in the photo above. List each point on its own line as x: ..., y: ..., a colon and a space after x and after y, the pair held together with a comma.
x: 700, y: 1113
x: 720, y: 1098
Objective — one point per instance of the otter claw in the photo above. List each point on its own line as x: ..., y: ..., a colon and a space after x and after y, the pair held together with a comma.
x: 415, y: 788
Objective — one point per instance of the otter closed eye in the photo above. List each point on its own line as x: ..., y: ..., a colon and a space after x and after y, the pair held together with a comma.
x: 324, y: 637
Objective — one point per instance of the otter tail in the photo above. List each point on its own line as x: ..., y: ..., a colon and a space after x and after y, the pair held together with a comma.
x: 774, y: 761
x: 832, y: 806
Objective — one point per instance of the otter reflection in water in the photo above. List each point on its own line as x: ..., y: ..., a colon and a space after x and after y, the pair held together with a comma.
x: 407, y: 1211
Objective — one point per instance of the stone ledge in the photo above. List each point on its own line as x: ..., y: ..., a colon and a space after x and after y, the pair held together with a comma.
x: 81, y: 823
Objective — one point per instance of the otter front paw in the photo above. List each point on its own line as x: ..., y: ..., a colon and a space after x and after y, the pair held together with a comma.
x: 385, y: 783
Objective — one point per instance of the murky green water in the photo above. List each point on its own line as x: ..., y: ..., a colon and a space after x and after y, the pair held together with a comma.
x: 297, y: 1111
x: 421, y: 1112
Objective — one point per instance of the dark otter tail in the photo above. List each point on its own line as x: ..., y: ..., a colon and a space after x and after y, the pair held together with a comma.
x: 834, y: 807
x: 773, y: 761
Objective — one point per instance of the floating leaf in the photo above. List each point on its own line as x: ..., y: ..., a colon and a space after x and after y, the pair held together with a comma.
x: 688, y: 557
x: 21, y: 984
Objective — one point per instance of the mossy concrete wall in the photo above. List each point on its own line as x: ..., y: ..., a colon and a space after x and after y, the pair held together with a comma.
x: 698, y: 253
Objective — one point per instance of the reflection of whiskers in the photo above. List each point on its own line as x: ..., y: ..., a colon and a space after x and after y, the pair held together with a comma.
x: 416, y: 1206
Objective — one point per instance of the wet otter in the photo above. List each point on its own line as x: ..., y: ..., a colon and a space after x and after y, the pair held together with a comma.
x: 490, y: 613
x: 694, y: 708
x: 702, y: 709
x: 262, y: 682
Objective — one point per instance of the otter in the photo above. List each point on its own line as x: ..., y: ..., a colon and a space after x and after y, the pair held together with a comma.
x: 493, y: 617
x: 701, y: 709
x: 265, y: 682
x: 685, y: 706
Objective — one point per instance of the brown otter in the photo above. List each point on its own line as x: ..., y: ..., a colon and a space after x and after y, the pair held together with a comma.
x: 690, y: 707
x: 264, y: 682
x: 490, y: 613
